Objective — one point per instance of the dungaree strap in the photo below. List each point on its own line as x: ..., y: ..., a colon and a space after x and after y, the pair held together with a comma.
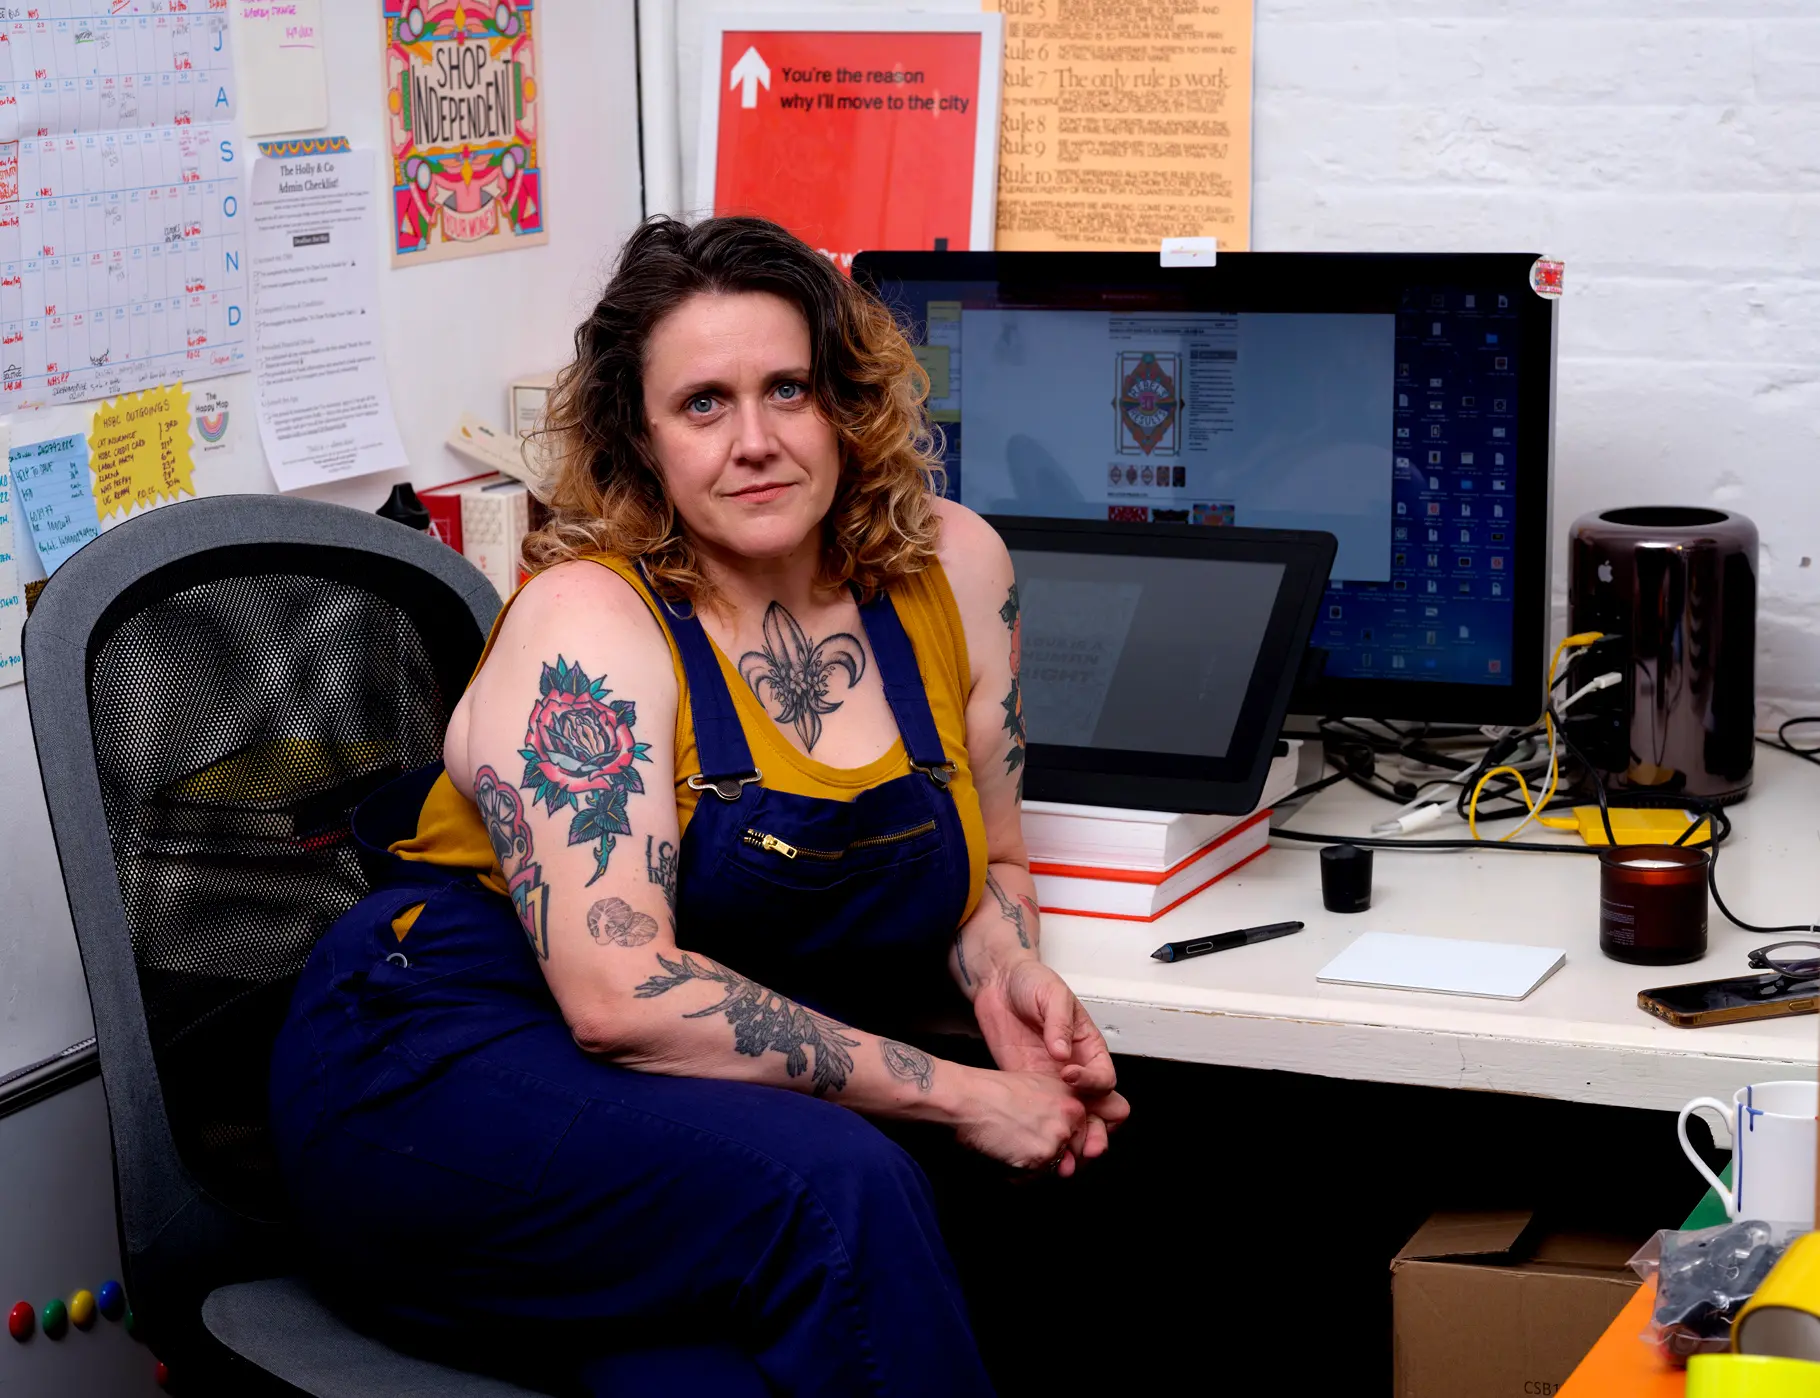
x: 719, y: 740
x: 904, y: 687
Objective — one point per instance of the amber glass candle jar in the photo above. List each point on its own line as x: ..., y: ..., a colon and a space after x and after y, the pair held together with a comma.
x: 1652, y: 904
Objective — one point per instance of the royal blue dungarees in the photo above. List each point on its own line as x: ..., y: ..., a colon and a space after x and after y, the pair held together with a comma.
x: 464, y: 1170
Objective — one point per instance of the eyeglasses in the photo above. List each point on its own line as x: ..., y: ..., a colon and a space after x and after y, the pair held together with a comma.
x: 1796, y: 960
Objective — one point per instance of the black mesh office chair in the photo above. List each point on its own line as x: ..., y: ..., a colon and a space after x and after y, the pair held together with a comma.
x: 213, y: 687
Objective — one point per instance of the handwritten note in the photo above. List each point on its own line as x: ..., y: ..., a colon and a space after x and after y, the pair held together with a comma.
x: 287, y: 87
x: 12, y: 601
x: 51, y: 489
x: 139, y: 450
x: 1124, y: 123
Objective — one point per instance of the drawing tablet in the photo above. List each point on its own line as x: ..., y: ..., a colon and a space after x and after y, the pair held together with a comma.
x: 1157, y: 660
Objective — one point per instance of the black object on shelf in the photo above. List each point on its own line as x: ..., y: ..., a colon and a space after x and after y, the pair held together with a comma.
x: 1675, y: 587
x: 1345, y: 878
x: 403, y: 506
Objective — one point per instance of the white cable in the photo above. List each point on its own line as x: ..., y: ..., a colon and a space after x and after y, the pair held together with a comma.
x: 1547, y: 789
x: 1605, y: 681
x: 1419, y: 819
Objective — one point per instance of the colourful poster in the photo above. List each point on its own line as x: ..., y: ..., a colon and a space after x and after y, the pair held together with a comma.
x: 854, y: 131
x: 462, y: 116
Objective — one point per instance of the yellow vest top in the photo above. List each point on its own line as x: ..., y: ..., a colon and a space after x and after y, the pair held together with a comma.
x: 450, y: 831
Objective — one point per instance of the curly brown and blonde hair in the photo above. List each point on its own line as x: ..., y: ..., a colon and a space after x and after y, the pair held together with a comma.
x: 600, y: 480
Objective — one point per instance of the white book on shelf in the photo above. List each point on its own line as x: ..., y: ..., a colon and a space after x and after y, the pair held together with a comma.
x: 495, y: 517
x: 1108, y: 837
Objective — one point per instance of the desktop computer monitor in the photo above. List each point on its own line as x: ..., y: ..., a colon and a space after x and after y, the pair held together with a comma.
x: 1401, y: 402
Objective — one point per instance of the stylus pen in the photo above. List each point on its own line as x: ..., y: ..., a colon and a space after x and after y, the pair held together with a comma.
x: 1224, y: 941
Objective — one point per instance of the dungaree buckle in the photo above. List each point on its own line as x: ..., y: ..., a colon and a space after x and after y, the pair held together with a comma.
x: 727, y: 788
x: 941, y: 775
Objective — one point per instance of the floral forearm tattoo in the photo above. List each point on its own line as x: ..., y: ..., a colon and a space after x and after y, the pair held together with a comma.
x: 796, y: 672
x: 579, y: 750
x: 1014, y: 700
x: 763, y: 1021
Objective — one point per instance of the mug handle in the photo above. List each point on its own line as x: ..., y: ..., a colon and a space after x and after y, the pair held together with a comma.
x: 1719, y: 1186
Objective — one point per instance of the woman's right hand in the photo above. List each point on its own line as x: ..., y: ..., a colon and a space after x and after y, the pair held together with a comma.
x: 1024, y: 1120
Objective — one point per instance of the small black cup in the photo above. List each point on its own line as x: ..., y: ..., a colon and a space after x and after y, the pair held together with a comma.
x: 1345, y: 878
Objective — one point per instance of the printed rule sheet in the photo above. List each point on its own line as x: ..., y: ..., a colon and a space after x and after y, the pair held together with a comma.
x: 121, y: 199
x: 324, y: 410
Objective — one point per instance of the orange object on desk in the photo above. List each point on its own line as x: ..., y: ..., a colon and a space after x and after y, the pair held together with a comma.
x: 1621, y: 1365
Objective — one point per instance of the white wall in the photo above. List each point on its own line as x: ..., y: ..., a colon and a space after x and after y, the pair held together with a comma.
x: 1669, y: 152
x: 455, y: 333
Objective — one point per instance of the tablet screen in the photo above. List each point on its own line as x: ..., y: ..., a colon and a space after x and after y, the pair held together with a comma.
x: 1155, y: 661
x: 1140, y: 654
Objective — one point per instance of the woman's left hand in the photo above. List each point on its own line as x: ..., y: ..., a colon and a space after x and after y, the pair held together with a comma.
x: 1033, y: 1023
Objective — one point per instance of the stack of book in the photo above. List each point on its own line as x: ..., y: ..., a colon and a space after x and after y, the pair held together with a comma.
x: 1099, y: 861
x: 485, y: 519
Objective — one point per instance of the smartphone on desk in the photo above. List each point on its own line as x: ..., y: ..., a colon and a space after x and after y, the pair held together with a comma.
x: 1768, y: 996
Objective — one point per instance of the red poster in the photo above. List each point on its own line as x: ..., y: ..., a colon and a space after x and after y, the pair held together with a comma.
x: 857, y: 139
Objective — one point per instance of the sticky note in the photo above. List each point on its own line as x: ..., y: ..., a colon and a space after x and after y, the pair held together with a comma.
x: 12, y: 599
x: 1190, y: 252
x: 139, y: 450
x: 51, y: 489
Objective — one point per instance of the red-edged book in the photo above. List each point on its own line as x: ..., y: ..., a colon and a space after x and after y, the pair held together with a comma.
x: 1143, y: 895
x: 444, y: 504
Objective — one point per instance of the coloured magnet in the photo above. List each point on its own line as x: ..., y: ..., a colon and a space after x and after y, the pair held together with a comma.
x: 132, y: 1323
x: 21, y: 1321
x: 53, y: 1318
x: 112, y: 1299
x: 82, y: 1309
x: 163, y: 1374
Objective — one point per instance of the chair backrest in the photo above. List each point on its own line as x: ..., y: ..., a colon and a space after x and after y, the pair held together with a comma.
x: 213, y: 687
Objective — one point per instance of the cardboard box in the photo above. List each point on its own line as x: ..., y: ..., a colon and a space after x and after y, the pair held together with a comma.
x: 1496, y: 1305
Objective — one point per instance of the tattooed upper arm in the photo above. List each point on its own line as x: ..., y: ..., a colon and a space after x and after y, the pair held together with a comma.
x: 570, y: 746
x: 1014, y: 696
x: 985, y: 590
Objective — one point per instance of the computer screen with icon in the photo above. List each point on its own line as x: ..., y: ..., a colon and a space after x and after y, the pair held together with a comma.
x: 1401, y: 403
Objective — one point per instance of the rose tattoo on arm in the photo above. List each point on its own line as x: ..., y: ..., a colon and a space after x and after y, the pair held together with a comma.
x: 579, y: 750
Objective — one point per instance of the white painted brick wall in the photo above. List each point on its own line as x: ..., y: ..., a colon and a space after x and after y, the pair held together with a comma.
x: 1669, y: 152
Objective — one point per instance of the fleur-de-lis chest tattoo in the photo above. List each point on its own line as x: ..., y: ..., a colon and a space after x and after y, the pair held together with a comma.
x: 792, y: 674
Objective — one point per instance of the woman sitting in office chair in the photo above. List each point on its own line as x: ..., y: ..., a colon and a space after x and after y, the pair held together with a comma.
x: 600, y: 1053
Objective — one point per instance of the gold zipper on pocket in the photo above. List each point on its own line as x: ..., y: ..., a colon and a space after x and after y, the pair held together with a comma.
x: 759, y: 840
x: 772, y: 843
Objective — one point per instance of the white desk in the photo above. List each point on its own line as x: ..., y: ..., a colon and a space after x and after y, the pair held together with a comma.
x: 1579, y: 1036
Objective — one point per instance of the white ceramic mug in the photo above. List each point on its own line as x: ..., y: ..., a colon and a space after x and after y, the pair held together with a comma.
x: 1772, y: 1126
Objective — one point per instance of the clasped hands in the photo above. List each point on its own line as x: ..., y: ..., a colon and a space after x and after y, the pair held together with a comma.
x: 1053, y: 1059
